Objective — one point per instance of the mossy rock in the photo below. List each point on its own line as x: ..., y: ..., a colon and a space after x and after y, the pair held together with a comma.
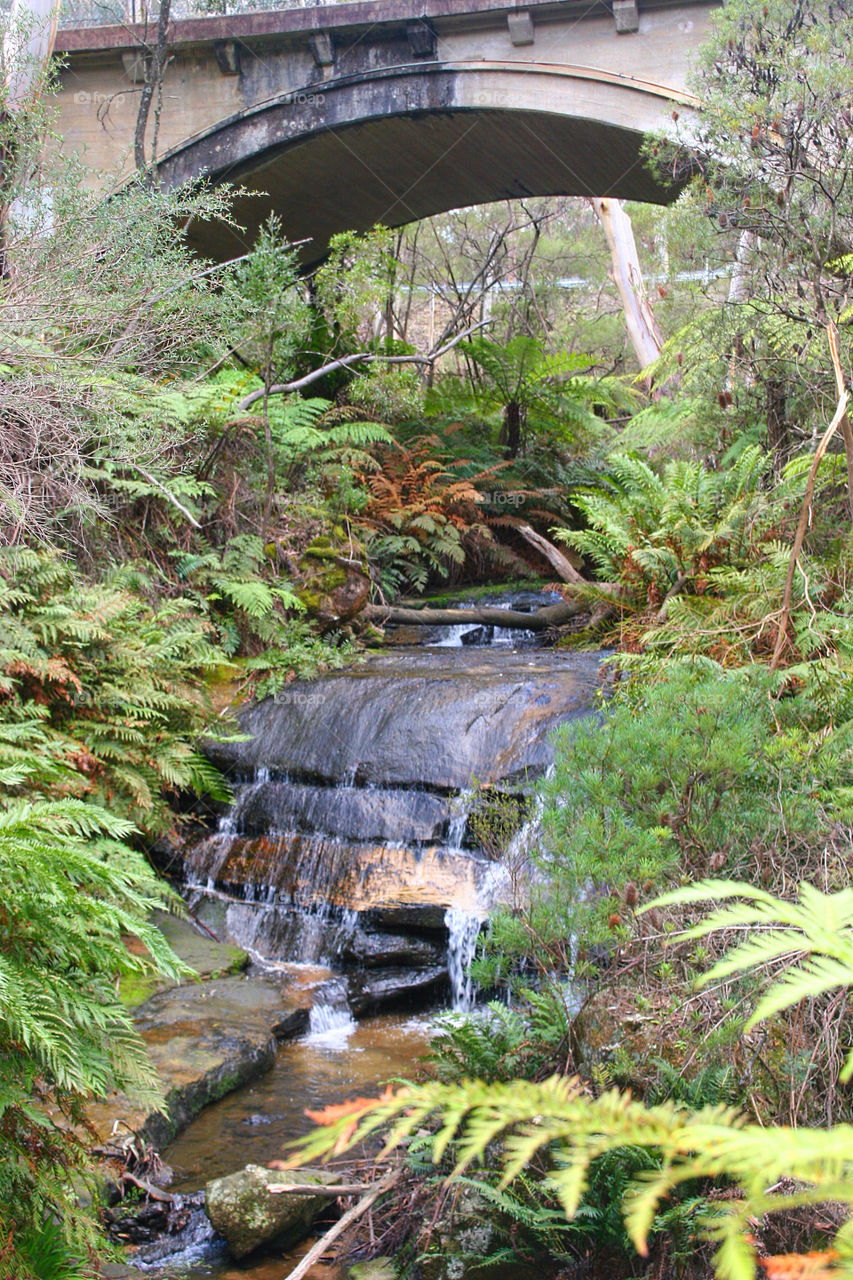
x: 463, y: 1239
x: 609, y: 1025
x: 332, y: 592
x: 242, y: 1209
x: 375, y: 1269
x: 205, y: 955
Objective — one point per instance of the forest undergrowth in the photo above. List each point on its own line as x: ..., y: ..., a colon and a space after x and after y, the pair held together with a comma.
x: 207, y: 471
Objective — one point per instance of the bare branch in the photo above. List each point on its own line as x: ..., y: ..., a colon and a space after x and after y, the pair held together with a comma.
x: 346, y: 362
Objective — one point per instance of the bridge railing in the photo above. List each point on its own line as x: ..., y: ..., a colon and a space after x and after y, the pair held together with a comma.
x: 106, y: 13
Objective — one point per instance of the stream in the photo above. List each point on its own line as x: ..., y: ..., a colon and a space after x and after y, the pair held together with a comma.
x: 346, y: 866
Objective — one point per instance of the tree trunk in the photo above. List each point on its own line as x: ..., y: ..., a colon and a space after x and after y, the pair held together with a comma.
x: 26, y: 55
x: 779, y: 439
x: 513, y: 428
x: 155, y: 66
x: 553, y: 615
x: 627, y: 275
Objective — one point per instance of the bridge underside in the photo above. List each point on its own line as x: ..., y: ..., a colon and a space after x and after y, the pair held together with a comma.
x: 347, y: 156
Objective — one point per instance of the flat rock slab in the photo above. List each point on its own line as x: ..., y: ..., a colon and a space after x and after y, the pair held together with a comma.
x: 209, y: 957
x: 200, y: 950
x: 352, y: 813
x: 205, y: 1039
x: 307, y: 871
x: 420, y: 720
x: 380, y: 950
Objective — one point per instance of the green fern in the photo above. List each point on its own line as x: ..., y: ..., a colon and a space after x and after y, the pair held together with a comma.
x: 811, y: 940
x: 91, y: 674
x: 559, y: 1115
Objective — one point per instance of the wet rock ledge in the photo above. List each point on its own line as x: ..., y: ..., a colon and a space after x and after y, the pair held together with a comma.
x: 205, y: 1037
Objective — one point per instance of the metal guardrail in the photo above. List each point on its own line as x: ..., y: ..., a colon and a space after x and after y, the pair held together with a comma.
x: 106, y: 13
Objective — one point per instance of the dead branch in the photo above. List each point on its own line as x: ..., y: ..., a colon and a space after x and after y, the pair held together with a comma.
x: 169, y: 496
x: 846, y: 429
x: 153, y: 1193
x: 345, y: 362
x: 803, y: 523
x: 352, y: 1215
x: 675, y: 590
x: 559, y: 562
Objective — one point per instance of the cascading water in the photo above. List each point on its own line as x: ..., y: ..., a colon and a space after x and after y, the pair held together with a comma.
x: 472, y: 635
x: 347, y: 842
x: 463, y: 930
x: 331, y: 1021
x: 460, y: 809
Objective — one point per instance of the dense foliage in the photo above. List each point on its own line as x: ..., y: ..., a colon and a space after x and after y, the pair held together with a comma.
x: 715, y: 543
x: 206, y: 471
x: 100, y: 698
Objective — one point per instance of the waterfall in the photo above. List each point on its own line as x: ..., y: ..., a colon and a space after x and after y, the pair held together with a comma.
x: 347, y: 841
x: 463, y: 930
x: 190, y: 1239
x: 330, y: 1021
x: 460, y: 807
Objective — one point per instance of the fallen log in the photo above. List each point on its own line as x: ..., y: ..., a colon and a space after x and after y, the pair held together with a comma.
x: 552, y: 615
x: 310, y: 1188
x: 560, y: 563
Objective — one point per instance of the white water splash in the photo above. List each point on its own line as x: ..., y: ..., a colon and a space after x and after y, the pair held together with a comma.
x: 330, y: 1023
x: 229, y: 822
x: 463, y: 929
x: 460, y: 807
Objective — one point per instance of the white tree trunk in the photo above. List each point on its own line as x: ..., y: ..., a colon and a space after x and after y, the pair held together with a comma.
x: 29, y: 42
x: 627, y: 275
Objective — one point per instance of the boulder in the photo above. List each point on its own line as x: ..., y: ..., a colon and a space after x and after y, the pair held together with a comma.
x: 395, y: 988
x: 425, y: 917
x: 464, y: 1237
x: 379, y: 950
x: 478, y: 635
x: 334, y: 587
x: 247, y: 1215
x: 375, y: 1269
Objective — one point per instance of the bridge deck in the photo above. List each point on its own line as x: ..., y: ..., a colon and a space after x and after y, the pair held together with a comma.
x: 105, y: 24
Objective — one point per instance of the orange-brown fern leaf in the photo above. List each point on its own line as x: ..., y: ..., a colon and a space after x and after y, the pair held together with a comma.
x: 818, y: 1265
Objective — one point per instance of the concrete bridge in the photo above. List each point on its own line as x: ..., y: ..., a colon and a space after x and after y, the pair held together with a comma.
x: 343, y: 115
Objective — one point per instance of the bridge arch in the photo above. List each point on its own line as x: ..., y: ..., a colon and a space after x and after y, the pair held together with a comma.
x: 398, y: 143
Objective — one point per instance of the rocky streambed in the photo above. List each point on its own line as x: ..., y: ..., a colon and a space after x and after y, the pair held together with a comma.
x: 347, y: 872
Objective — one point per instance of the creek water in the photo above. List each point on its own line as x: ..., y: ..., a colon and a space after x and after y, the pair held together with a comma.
x: 347, y: 857
x: 254, y: 1124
